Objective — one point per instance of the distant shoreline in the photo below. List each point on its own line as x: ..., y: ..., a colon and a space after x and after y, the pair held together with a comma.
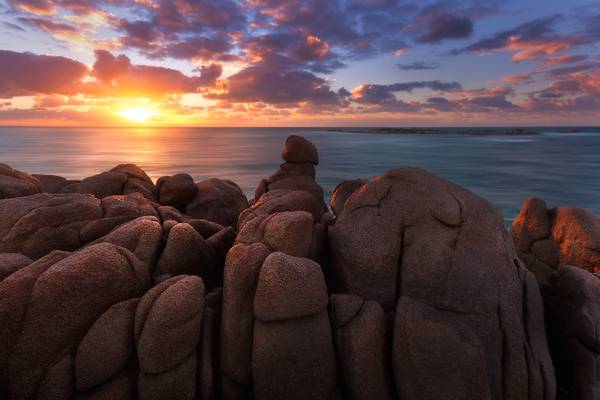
x: 457, y: 131
x: 468, y: 130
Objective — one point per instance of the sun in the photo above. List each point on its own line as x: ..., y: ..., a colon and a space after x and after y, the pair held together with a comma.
x: 137, y: 114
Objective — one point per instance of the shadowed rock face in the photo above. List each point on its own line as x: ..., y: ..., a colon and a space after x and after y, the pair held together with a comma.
x: 14, y: 183
x: 186, y: 252
x: 177, y: 190
x: 52, y: 183
x: 217, y: 200
x: 55, y: 302
x: 299, y: 150
x: 439, y: 257
x: 168, y: 324
x: 342, y: 192
x: 573, y: 310
x: 546, y: 239
x: 362, y: 338
x: 12, y: 262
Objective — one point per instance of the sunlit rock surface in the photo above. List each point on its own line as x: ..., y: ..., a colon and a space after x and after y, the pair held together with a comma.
x: 547, y: 239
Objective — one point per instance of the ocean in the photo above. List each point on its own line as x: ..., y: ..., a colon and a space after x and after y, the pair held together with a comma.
x: 557, y: 165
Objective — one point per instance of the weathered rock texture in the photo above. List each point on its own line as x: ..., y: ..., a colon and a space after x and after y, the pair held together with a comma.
x: 12, y: 262
x: 177, y: 190
x: 14, y: 183
x: 274, y: 302
x: 292, y: 331
x: 297, y: 173
x: 217, y: 200
x: 415, y: 291
x: 572, y: 300
x: 362, y: 338
x: 122, y: 179
x: 168, y: 324
x: 547, y: 239
x: 440, y: 258
x: 47, y: 308
x: 342, y: 192
x: 35, y: 225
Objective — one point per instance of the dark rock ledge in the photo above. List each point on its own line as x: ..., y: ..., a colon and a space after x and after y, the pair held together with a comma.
x: 114, y: 287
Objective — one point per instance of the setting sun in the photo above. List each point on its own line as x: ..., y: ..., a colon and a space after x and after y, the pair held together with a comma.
x: 137, y: 114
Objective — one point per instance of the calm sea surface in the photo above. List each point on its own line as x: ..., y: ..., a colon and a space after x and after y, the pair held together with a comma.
x: 561, y: 168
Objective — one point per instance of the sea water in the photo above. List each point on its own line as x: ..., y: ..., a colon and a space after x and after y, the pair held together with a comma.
x: 561, y: 167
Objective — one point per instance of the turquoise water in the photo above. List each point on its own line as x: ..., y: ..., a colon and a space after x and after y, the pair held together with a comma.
x: 562, y: 168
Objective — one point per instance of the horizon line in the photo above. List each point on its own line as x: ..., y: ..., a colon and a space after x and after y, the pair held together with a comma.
x: 299, y: 126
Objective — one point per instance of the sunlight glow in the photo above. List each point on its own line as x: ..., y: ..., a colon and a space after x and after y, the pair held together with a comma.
x: 137, y: 114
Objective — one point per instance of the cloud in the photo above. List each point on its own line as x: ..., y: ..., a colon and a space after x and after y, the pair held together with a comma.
x: 443, y: 26
x: 378, y: 94
x: 12, y: 26
x: 24, y: 74
x: 119, y: 77
x: 536, y: 39
x: 535, y: 29
x: 283, y: 86
x: 139, y: 34
x: 37, y: 7
x: 197, y: 15
x: 49, y: 26
x: 418, y: 66
x: 287, y: 50
x: 565, y: 59
x: 558, y: 72
x: 198, y: 48
x: 210, y: 74
x: 518, y: 78
x: 312, y: 49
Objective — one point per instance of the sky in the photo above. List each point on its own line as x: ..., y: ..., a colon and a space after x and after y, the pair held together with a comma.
x: 299, y: 62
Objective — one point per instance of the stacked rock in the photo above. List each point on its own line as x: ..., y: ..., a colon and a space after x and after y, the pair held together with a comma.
x: 298, y: 171
x: 276, y: 339
x: 217, y: 200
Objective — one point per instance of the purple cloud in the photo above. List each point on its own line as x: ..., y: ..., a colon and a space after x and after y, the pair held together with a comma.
x: 443, y: 26
x: 24, y: 74
x: 285, y: 87
x: 418, y: 66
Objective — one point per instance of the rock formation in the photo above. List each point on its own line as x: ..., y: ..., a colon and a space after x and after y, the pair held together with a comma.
x: 547, y: 239
x: 561, y: 246
x: 297, y: 173
x: 14, y: 183
x: 114, y: 288
x: 282, y: 231
x: 217, y: 200
x: 439, y: 258
x: 177, y: 190
x: 342, y: 192
x: 35, y: 225
x: 573, y: 310
x: 122, y: 179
